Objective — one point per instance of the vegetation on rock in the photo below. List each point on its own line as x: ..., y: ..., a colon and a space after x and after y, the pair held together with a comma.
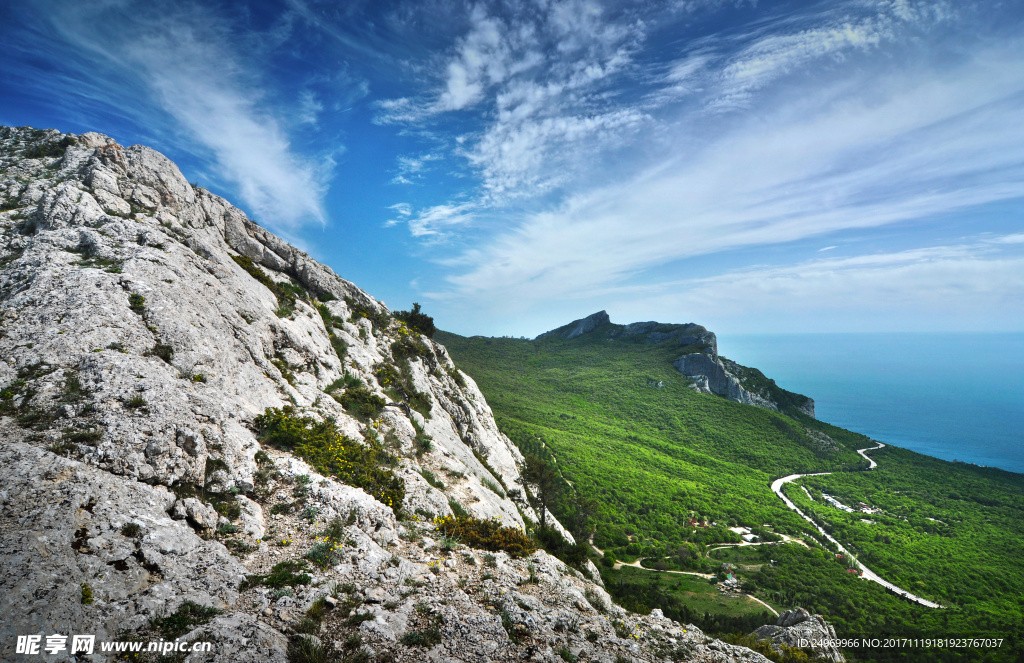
x: 319, y: 443
x: 486, y: 534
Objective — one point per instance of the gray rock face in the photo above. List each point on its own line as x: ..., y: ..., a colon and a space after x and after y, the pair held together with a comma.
x: 579, y: 327
x: 800, y: 629
x: 718, y: 380
x: 709, y: 373
x: 714, y: 375
x: 140, y: 336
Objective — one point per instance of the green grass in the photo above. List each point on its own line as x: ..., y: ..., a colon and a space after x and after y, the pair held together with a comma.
x: 321, y: 445
x: 188, y: 616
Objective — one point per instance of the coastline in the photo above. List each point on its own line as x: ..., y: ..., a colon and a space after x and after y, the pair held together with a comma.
x: 918, y: 391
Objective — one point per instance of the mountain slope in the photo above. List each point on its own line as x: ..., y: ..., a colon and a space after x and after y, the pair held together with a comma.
x: 664, y: 461
x: 698, y: 359
x: 206, y: 434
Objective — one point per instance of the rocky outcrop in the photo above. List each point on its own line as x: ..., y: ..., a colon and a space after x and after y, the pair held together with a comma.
x: 709, y: 373
x: 710, y: 376
x: 799, y: 629
x: 144, y: 325
x: 579, y: 327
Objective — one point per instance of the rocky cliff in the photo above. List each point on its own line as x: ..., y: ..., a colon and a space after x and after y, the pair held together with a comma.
x: 798, y: 629
x: 205, y: 434
x: 698, y: 359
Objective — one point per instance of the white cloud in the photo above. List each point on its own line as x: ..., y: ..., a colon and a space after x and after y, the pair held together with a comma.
x: 539, y: 73
x: 482, y: 59
x: 913, y: 290
x: 862, y: 153
x: 411, y: 168
x: 309, y: 108
x: 182, y: 59
x: 437, y: 220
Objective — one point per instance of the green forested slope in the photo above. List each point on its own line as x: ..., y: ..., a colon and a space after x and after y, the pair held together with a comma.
x: 655, y: 456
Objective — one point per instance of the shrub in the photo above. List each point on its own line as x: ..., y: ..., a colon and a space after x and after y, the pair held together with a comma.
x: 307, y: 650
x: 286, y: 293
x: 131, y: 530
x: 429, y: 476
x: 137, y: 303
x: 417, y: 320
x: 428, y: 637
x: 282, y: 366
x: 188, y: 615
x: 45, y: 150
x: 406, y: 346
x: 457, y: 509
x: 284, y: 574
x: 486, y: 534
x: 87, y: 597
x: 362, y: 402
x: 340, y: 346
x: 135, y: 402
x: 163, y: 351
x: 491, y: 486
x: 388, y: 377
x: 424, y: 443
x: 325, y: 315
x: 321, y: 445
x: 324, y: 554
x: 344, y: 382
x: 89, y: 437
x: 335, y: 530
x: 379, y: 318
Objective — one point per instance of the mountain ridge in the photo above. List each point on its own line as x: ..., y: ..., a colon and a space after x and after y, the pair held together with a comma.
x: 699, y: 360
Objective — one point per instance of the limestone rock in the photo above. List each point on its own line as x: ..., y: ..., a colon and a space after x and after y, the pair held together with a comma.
x: 798, y: 628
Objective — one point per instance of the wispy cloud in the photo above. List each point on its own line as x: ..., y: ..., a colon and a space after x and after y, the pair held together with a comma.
x: 981, y: 279
x: 309, y: 108
x: 180, y: 56
x: 541, y: 75
x: 917, y: 144
x: 435, y: 221
x: 411, y: 168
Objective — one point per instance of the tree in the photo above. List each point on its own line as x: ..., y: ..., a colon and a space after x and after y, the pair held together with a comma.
x: 546, y: 483
x: 582, y: 510
x: 417, y: 320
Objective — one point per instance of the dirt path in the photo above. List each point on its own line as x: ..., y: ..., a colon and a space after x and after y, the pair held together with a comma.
x: 636, y: 565
x: 866, y: 573
x: 754, y: 598
x: 785, y: 539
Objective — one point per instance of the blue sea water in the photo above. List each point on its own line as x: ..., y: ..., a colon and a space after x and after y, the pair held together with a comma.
x: 952, y: 396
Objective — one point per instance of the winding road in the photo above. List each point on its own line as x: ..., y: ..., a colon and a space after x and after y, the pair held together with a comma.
x: 867, y: 573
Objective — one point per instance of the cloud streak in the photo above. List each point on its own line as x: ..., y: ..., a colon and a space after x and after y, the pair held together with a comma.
x: 919, y: 144
x: 982, y: 280
x: 179, y: 55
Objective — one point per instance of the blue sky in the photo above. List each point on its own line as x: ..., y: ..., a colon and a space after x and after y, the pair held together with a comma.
x: 751, y: 166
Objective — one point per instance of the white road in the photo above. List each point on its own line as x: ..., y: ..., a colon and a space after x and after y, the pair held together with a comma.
x: 867, y: 573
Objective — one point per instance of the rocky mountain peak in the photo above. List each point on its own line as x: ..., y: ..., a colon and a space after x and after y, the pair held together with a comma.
x: 197, y: 419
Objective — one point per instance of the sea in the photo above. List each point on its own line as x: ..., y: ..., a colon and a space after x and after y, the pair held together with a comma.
x: 951, y: 396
